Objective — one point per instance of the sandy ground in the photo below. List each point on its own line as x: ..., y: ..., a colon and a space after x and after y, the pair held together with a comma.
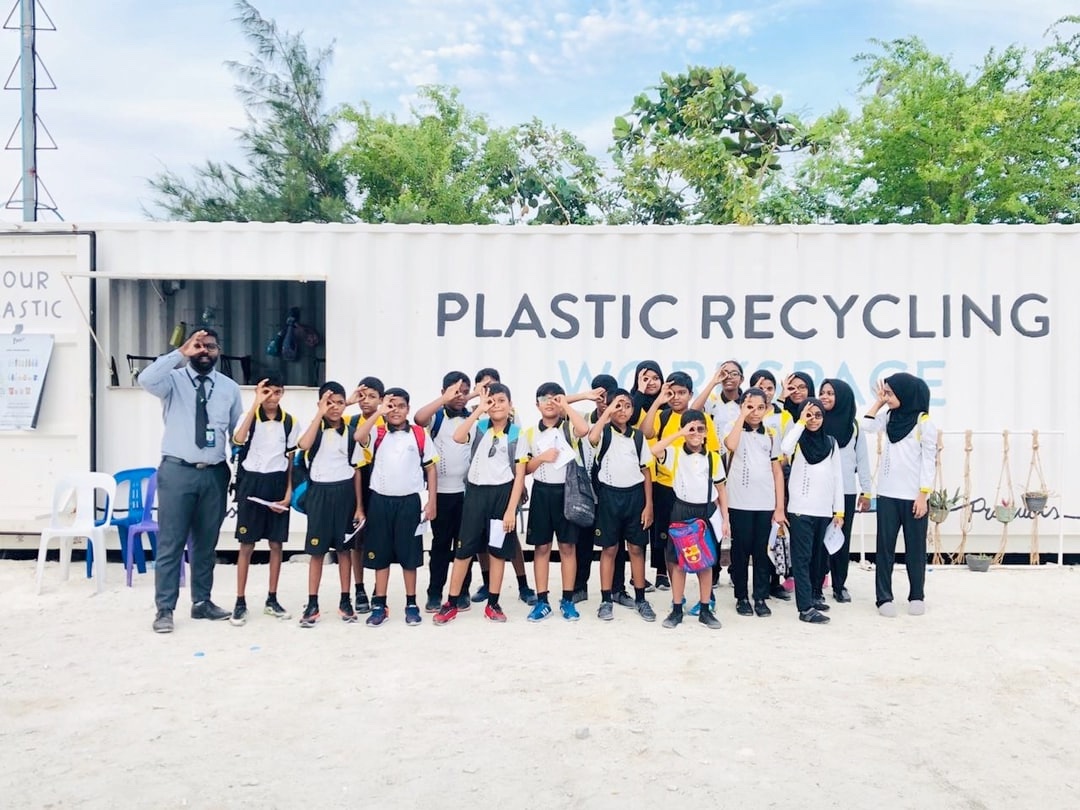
x: 974, y: 705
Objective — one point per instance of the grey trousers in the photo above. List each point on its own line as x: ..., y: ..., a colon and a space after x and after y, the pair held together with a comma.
x: 189, y: 501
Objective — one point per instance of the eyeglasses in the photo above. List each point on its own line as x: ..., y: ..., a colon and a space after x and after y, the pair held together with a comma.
x: 700, y: 429
x: 730, y: 373
x: 211, y: 347
x: 494, y: 446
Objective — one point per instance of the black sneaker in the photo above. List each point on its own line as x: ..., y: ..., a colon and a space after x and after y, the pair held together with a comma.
x: 163, y: 622
x: 820, y: 603
x: 464, y: 602
x: 813, y: 617
x: 239, y: 615
x: 624, y: 599
x: 208, y: 610
x: 346, y: 612
x: 674, y: 619
x: 310, y: 617
x: 706, y: 617
x: 662, y: 582
x: 433, y: 604
x: 743, y: 608
x: 781, y: 593
x: 273, y: 608
x: 841, y: 596
x: 761, y: 609
x: 363, y: 604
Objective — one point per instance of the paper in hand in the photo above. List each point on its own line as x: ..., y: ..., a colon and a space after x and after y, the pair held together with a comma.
x: 834, y: 538
x: 496, y: 534
x: 357, y: 525
x: 277, y: 507
x: 716, y: 521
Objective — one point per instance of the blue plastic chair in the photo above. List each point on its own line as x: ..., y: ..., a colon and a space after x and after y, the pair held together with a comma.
x: 136, y: 480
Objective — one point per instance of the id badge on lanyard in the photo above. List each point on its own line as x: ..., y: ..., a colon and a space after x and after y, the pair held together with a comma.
x: 211, y: 437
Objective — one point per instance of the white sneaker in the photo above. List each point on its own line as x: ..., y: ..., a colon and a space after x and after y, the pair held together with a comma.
x: 916, y: 607
x: 887, y: 609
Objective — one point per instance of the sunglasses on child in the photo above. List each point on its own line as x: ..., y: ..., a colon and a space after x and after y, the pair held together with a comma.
x: 494, y: 447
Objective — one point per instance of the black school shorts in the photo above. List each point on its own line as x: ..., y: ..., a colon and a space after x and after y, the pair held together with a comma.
x: 546, y: 518
x: 330, y: 510
x: 618, y: 516
x: 482, y: 505
x: 255, y: 522
x: 390, y: 532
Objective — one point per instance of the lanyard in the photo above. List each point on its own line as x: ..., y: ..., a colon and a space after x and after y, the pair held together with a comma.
x: 195, y: 385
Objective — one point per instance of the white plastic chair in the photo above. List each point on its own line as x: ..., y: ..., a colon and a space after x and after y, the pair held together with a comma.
x: 86, y: 524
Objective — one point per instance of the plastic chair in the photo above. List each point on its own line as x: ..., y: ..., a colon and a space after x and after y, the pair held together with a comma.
x: 85, y: 486
x: 136, y: 510
x: 149, y: 526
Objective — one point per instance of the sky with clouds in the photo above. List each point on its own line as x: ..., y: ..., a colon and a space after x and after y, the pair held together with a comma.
x: 142, y: 86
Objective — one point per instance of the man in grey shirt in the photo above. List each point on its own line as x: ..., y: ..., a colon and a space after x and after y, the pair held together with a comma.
x: 199, y: 408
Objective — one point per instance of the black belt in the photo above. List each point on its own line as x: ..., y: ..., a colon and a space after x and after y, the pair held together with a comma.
x: 199, y: 465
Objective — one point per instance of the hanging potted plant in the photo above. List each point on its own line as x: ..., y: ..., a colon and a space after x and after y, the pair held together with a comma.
x: 1035, y: 500
x: 978, y: 562
x: 1035, y: 497
x: 940, y: 503
x: 1005, y: 512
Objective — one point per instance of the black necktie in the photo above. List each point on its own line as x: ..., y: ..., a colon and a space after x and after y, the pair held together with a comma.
x: 202, y: 420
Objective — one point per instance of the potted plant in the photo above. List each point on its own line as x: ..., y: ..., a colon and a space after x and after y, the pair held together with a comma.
x: 940, y: 503
x: 1035, y: 500
x: 978, y: 562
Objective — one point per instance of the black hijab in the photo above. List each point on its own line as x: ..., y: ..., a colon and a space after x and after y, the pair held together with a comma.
x: 815, y: 445
x: 840, y: 421
x: 914, y: 396
x: 790, y: 406
x: 642, y: 401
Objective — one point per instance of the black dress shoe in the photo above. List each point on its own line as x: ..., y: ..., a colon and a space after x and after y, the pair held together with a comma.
x: 841, y: 596
x: 742, y: 607
x: 779, y: 592
x: 163, y: 622
x: 761, y: 609
x: 813, y: 617
x: 208, y: 610
x: 820, y: 604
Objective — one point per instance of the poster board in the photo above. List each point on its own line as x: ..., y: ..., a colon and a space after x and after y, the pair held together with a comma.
x: 24, y: 365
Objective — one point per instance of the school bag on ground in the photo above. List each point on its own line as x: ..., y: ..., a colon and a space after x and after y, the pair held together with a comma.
x: 694, y: 545
x: 301, y: 471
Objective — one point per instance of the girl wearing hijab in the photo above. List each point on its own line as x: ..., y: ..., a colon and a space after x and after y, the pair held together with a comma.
x: 905, y: 479
x: 815, y: 499
x: 839, y: 402
x: 647, y: 381
x: 797, y: 388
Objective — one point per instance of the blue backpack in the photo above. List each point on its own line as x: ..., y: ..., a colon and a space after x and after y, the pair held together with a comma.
x: 301, y: 471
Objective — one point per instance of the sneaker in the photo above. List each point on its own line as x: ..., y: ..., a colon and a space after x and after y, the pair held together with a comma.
x: 412, y: 614
x: 645, y: 611
x: 239, y: 615
x: 163, y: 621
x: 464, y: 602
x: 819, y: 603
x: 380, y: 614
x: 780, y: 593
x: 605, y: 613
x: 311, y: 615
x: 761, y: 609
x: 841, y: 596
x: 447, y: 613
x: 432, y: 604
x: 743, y: 608
x: 208, y: 610
x: 580, y: 596
x: 481, y: 594
x: 649, y: 587
x: 465, y: 597
x: 813, y: 617
x: 494, y: 613
x: 674, y: 619
x: 624, y: 599
x: 363, y: 604
x: 662, y: 582
x: 708, y: 618
x: 916, y: 607
x: 540, y: 611
x: 697, y: 606
x: 346, y: 612
x: 887, y: 609
x: 569, y: 611
x: 272, y: 608
x: 527, y: 595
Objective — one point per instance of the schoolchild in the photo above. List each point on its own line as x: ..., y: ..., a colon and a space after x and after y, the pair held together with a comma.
x: 496, y: 483
x: 755, y: 487
x: 815, y: 499
x: 265, y: 437
x: 368, y: 394
x: 560, y: 429
x: 840, y: 423
x: 484, y: 378
x: 441, y: 417
x: 664, y: 419
x: 335, y: 505
x: 780, y: 420
x: 624, y: 511
x: 402, y: 461
x: 723, y: 405
x: 904, y: 481
x: 602, y: 387
x: 648, y: 379
x: 798, y: 387
x: 698, y: 483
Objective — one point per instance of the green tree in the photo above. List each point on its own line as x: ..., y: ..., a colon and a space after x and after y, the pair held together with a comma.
x: 701, y: 150
x: 292, y: 173
x: 934, y: 145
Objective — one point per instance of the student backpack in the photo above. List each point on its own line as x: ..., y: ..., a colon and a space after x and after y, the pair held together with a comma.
x: 605, y: 445
x: 417, y: 432
x: 301, y: 473
x: 694, y: 545
x: 240, y: 451
x: 438, y: 419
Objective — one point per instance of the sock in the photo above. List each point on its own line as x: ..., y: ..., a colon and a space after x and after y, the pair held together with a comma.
x: 378, y: 601
x: 241, y: 601
x: 639, y: 595
x: 453, y: 598
x: 703, y: 605
x: 605, y: 596
x: 360, y: 588
x: 677, y: 609
x: 313, y: 600
x: 410, y: 600
x: 493, y: 599
x: 485, y: 575
x: 542, y: 597
x: 345, y: 598
x: 523, y: 583
x: 271, y: 596
x: 568, y: 596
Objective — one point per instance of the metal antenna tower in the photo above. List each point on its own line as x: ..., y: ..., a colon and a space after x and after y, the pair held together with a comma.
x: 27, y: 63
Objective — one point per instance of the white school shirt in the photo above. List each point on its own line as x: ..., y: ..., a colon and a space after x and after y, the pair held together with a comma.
x: 332, y: 463
x: 750, y: 483
x: 397, y: 468
x: 484, y: 471
x: 453, y: 457
x: 813, y: 489
x: 268, y: 443
x: 907, y: 466
x: 540, y: 438
x: 622, y: 466
x: 690, y: 481
x: 855, y: 460
x: 723, y: 412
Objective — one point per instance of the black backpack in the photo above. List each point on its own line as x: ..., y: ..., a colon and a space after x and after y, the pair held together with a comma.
x: 240, y: 451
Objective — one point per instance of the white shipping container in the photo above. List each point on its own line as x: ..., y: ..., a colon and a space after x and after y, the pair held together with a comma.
x: 982, y: 313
